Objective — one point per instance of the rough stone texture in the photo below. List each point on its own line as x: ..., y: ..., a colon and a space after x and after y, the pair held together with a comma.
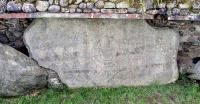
x: 53, y: 80
x: 3, y: 6
x: 108, y: 11
x: 152, y: 12
x: 109, y: 5
x: 14, y: 7
x: 104, y: 53
x: 122, y: 5
x: 42, y: 6
x: 65, y: 10
x: 79, y: 10
x: 28, y: 8
x: 87, y: 11
x: 82, y: 5
x: 18, y: 73
x: 195, y: 72
x: 184, y: 6
x: 176, y: 11
x: 121, y: 11
x: 72, y: 10
x: 99, y: 4
x: 54, y: 8
x: 94, y: 10
x: 90, y: 5
x: 63, y: 3
x: 131, y: 10
x: 78, y: 1
x: 73, y: 6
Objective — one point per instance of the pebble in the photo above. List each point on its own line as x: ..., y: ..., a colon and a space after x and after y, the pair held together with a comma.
x: 63, y: 3
x: 90, y: 5
x: 122, y: 5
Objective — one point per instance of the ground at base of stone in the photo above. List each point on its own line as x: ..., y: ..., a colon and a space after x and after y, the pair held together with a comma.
x: 182, y: 91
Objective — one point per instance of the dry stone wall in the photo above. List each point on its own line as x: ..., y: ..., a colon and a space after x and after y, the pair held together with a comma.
x: 163, y: 7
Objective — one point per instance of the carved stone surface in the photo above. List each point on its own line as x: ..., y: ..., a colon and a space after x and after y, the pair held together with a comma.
x: 104, y: 52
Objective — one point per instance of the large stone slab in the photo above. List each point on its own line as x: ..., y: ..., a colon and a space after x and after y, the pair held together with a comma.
x: 104, y: 52
x: 19, y: 74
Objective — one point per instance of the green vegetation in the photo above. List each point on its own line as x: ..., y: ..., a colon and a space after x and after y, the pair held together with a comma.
x: 183, y: 91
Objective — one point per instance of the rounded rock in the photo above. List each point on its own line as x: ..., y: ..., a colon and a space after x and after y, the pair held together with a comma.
x: 90, y: 5
x: 82, y: 5
x: 54, y: 8
x: 63, y: 3
x: 14, y: 7
x: 42, y: 6
x: 28, y: 8
x: 99, y: 4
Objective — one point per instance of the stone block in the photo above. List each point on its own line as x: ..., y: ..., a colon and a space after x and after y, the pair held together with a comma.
x: 104, y: 52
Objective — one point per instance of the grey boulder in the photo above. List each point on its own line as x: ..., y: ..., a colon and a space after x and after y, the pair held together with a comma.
x: 104, y: 52
x: 18, y: 73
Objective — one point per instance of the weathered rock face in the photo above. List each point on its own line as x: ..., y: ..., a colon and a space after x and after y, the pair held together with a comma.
x: 18, y: 73
x: 195, y: 71
x: 103, y: 52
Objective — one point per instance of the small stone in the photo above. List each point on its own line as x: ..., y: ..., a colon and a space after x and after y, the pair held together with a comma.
x: 14, y: 7
x: 82, y: 5
x: 78, y: 1
x: 109, y: 5
x: 94, y: 10
x: 3, y: 7
x: 90, y: 5
x: 28, y: 8
x: 65, y: 10
x: 3, y: 40
x: 99, y: 4
x: 193, y: 39
x: 176, y: 11
x: 108, y: 11
x: 170, y: 6
x: 73, y: 6
x: 42, y: 6
x: 169, y: 12
x: 122, y: 5
x: 184, y: 6
x: 196, y: 6
x: 87, y: 11
x: 162, y: 11
x: 184, y: 12
x: 121, y: 11
x: 63, y: 3
x: 140, y: 11
x: 131, y: 10
x: 54, y: 8
x: 149, y: 4
x: 72, y: 10
x: 78, y: 10
x: 51, y: 2
x: 161, y: 5
x: 152, y: 12
x: 17, y: 34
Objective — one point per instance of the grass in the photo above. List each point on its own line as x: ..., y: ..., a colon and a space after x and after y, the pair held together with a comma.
x: 181, y: 92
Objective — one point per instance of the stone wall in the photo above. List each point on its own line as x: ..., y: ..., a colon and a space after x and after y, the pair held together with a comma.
x: 166, y: 7
x: 127, y: 52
